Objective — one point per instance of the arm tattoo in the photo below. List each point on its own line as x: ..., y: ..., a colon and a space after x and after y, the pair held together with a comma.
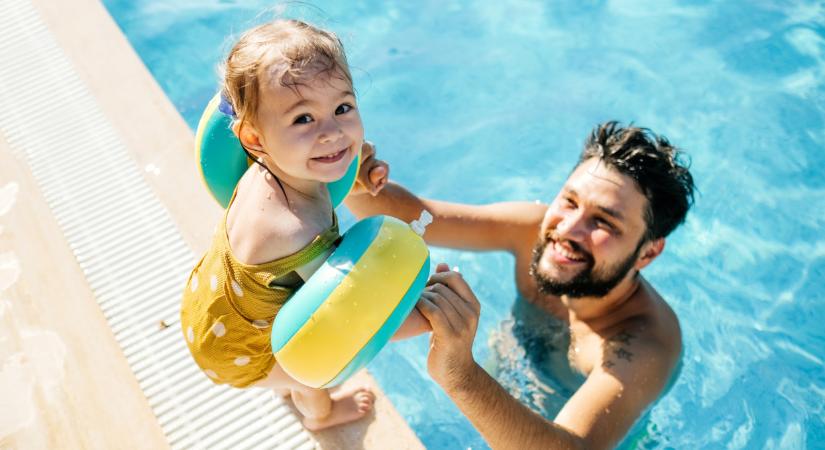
x: 624, y: 337
x: 621, y: 353
x: 619, y: 345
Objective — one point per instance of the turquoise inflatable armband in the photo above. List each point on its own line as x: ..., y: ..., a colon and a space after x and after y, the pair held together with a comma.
x: 222, y: 161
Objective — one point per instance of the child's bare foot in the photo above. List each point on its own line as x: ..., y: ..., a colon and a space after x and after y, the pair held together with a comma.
x: 348, y: 405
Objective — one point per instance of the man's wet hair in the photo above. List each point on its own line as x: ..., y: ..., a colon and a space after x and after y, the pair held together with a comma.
x: 659, y: 169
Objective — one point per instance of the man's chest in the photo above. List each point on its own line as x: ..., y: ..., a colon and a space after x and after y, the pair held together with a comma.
x: 586, y: 350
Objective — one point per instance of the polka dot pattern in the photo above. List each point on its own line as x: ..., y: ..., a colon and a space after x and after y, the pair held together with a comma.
x: 220, y: 301
x: 219, y: 329
x: 236, y: 288
x: 241, y: 360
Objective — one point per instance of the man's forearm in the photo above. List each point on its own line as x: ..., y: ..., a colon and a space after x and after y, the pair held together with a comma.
x: 497, y: 226
x: 393, y: 200
x: 503, y: 421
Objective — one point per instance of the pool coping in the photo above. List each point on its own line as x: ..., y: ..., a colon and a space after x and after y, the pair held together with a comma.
x: 146, y: 121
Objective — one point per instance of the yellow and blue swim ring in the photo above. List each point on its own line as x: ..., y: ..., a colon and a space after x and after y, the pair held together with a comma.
x: 352, y: 305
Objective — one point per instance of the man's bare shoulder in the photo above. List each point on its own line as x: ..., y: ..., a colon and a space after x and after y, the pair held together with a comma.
x: 647, y: 347
x: 636, y: 362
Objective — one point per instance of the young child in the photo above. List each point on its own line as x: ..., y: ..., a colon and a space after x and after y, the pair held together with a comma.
x: 291, y: 91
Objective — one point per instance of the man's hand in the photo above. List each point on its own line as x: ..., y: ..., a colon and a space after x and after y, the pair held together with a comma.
x: 452, y: 309
x: 373, y: 173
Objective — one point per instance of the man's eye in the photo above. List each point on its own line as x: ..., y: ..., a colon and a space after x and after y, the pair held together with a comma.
x: 605, y: 224
x: 305, y: 118
x: 569, y: 202
x: 343, y: 108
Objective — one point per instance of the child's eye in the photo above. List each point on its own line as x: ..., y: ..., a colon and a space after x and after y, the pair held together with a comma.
x: 304, y: 118
x: 343, y: 108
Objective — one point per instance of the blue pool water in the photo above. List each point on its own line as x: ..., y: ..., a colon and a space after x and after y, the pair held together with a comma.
x: 488, y: 101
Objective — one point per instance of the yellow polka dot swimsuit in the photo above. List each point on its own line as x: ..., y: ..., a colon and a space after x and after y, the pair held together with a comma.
x: 228, y: 307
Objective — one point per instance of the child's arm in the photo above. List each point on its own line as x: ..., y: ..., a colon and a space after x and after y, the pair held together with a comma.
x: 414, y: 325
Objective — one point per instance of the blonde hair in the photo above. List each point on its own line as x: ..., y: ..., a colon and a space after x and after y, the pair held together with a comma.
x: 286, y: 51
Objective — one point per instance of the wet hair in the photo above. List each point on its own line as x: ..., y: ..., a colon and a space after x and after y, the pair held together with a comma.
x: 290, y: 52
x: 654, y: 164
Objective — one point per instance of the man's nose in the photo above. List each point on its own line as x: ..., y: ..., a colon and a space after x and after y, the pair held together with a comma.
x: 571, y: 227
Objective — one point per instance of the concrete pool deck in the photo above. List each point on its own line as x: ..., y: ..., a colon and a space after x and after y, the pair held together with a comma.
x: 76, y: 371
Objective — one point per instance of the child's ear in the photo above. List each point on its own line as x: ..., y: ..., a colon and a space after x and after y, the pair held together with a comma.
x: 248, y: 136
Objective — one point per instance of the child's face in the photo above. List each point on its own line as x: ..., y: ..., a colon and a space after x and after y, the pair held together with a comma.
x: 311, y: 131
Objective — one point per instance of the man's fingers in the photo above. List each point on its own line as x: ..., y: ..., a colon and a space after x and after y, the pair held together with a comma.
x: 457, y: 320
x: 442, y: 267
x: 464, y: 309
x: 456, y: 282
x: 449, y: 303
x: 449, y: 313
x: 378, y: 175
x: 434, y: 314
x: 367, y: 150
x: 373, y: 173
x: 378, y: 172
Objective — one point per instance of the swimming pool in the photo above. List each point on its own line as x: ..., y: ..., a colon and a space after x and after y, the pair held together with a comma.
x: 488, y: 101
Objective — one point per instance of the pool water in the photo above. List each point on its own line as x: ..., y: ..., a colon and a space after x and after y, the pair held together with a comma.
x: 488, y: 101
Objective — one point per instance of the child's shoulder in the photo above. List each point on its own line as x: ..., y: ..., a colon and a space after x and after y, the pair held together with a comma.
x: 261, y: 227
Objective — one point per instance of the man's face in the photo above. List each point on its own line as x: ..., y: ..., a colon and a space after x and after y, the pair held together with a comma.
x: 591, y: 235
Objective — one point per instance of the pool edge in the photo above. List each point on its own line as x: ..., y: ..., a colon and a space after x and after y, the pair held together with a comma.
x: 160, y: 143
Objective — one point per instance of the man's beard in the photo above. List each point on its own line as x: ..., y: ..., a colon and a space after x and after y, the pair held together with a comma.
x: 587, y: 283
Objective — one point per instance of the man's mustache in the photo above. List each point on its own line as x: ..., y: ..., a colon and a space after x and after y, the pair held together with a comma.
x: 552, y: 236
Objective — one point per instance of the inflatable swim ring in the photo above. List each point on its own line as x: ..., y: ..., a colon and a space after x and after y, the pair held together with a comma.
x: 351, y: 306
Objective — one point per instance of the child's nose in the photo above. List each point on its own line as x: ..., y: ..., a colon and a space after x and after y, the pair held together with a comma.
x: 331, y: 132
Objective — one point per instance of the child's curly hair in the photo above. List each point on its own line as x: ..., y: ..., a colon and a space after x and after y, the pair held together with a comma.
x: 286, y: 51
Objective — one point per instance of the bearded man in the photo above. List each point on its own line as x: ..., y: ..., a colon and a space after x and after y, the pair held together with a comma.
x: 578, y: 259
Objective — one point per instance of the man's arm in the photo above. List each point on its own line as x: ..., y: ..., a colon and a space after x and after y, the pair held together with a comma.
x: 604, y: 408
x: 499, y: 226
x: 597, y: 416
x: 503, y: 421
